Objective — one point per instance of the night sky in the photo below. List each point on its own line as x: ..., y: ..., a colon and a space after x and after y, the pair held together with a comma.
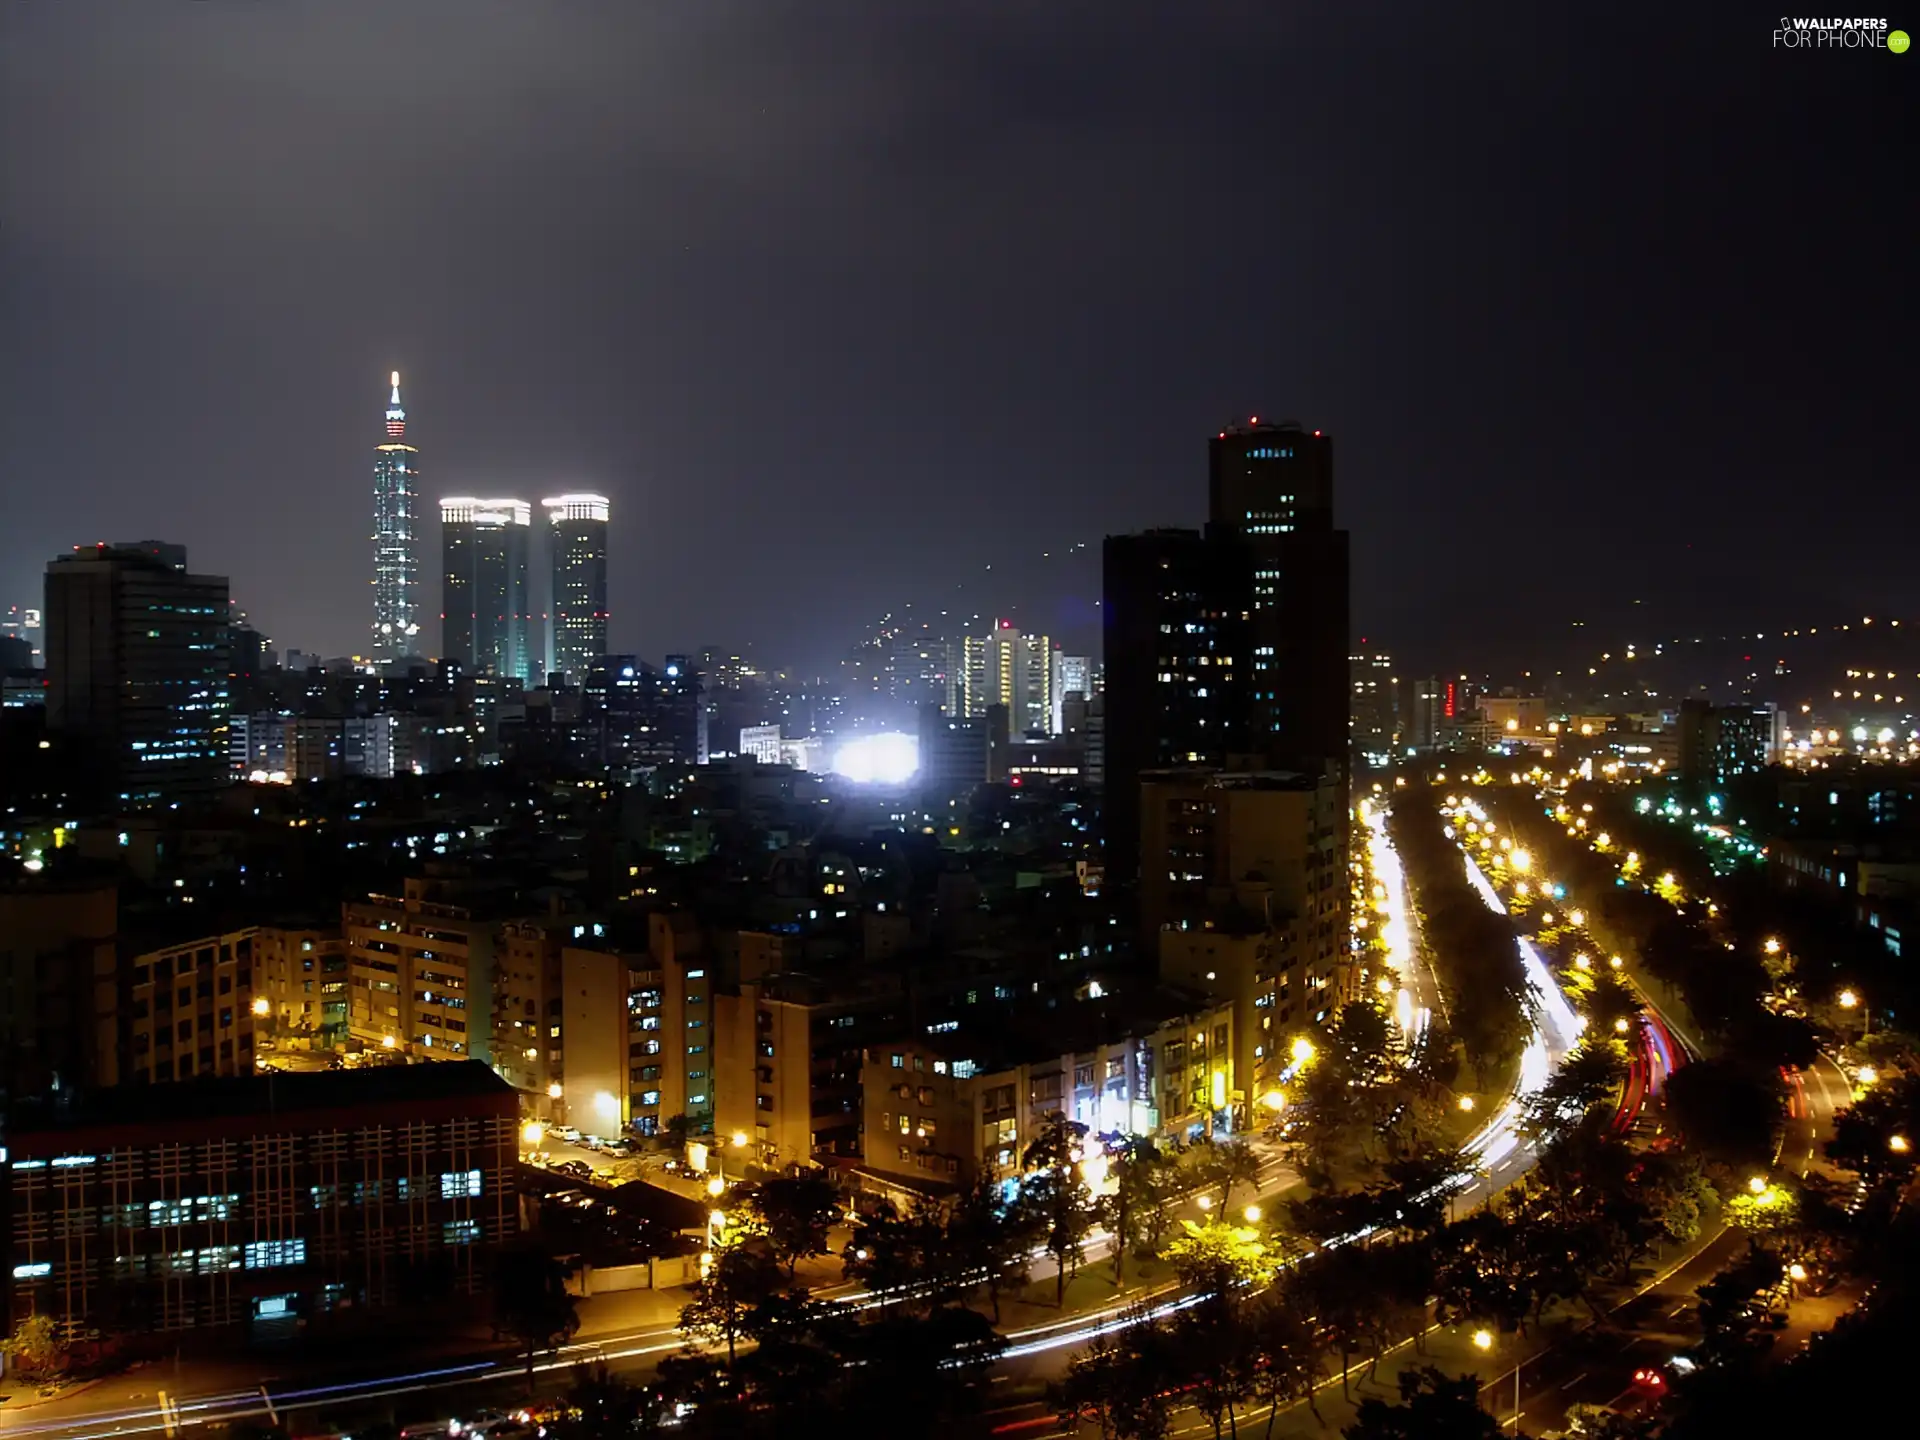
x: 843, y: 303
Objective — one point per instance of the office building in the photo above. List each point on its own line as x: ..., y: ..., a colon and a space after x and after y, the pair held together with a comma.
x: 1271, y: 487
x: 269, y: 1201
x: 763, y: 743
x: 1072, y: 676
x: 1244, y: 887
x: 396, y: 561
x: 1375, y: 714
x: 137, y: 671
x: 1427, y: 714
x: 953, y: 753
x: 577, y: 541
x: 1719, y: 742
x: 638, y: 715
x: 487, y: 621
x: 1175, y: 635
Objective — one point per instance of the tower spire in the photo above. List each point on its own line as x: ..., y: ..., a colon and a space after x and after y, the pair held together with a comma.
x: 396, y: 416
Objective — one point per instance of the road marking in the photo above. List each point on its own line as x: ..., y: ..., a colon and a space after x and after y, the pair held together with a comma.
x: 1574, y: 1381
x: 1678, y: 1308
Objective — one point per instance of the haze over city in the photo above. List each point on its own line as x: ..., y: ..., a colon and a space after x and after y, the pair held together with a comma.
x: 842, y: 306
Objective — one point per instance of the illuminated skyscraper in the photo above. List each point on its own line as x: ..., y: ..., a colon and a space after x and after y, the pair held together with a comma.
x: 396, y: 568
x: 486, y: 619
x: 577, y: 542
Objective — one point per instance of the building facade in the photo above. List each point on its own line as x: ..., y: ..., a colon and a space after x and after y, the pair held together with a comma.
x: 1178, y: 675
x: 1271, y: 488
x: 137, y: 671
x: 269, y: 1200
x: 396, y: 560
x: 487, y: 622
x: 577, y: 549
x: 420, y: 974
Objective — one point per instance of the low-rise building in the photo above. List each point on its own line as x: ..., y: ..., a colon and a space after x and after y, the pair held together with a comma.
x: 261, y: 1200
x: 944, y: 1109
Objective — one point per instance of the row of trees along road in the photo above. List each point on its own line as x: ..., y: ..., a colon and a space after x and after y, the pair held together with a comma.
x: 1471, y: 947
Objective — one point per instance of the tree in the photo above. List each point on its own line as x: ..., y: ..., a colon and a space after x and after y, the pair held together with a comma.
x: 1590, y: 1076
x: 1433, y: 1406
x: 1292, y: 1355
x: 883, y: 1253
x: 1727, y: 1111
x: 928, y: 1366
x: 35, y: 1349
x: 1139, y: 1170
x: 1055, y: 1196
x: 1122, y: 1380
x: 603, y: 1406
x: 1217, y: 1259
x: 1216, y: 1361
x: 992, y: 1238
x: 739, y: 1278
x: 531, y: 1303
x: 797, y: 1211
x: 1334, y: 1287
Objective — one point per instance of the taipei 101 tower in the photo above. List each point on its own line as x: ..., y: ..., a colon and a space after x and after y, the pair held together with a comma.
x: 396, y: 567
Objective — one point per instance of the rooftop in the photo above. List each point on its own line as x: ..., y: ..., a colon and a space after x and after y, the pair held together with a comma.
x: 277, y: 1093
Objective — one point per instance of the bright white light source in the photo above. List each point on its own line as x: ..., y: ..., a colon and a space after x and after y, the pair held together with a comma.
x: 887, y: 759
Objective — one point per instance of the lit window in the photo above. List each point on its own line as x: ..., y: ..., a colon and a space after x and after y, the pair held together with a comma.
x: 459, y: 1182
x: 460, y: 1232
x: 268, y: 1254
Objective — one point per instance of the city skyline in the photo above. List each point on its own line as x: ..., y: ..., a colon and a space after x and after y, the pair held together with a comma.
x: 1605, y: 319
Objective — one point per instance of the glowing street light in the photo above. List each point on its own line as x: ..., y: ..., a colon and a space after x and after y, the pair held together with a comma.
x: 1253, y: 1214
x: 532, y: 1133
x: 1581, y: 962
x: 1621, y: 1025
x: 1274, y: 1100
x: 1758, y: 1185
x: 1483, y: 1340
x: 1897, y: 1144
x: 716, y: 1186
x: 261, y: 1005
x: 739, y: 1139
x: 1615, y: 961
x: 389, y: 1042
x: 1302, y: 1050
x: 555, y: 1090
x: 1796, y: 1271
x: 1848, y: 999
x: 1466, y: 1103
x: 1772, y: 947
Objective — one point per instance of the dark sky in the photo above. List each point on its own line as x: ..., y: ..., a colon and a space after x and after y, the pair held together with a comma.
x: 842, y: 303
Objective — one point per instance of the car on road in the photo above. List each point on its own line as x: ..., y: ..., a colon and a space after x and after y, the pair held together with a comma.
x: 567, y: 1132
x: 1650, y: 1380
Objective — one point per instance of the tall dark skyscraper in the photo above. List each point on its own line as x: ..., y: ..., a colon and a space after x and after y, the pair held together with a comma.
x: 487, y: 619
x: 396, y: 564
x: 1271, y: 487
x: 137, y: 671
x: 1175, y: 616
x: 577, y: 541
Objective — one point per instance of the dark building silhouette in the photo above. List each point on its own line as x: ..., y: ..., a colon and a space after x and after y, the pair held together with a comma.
x: 1175, y: 620
x: 638, y: 715
x: 487, y: 621
x: 137, y: 671
x: 1271, y: 487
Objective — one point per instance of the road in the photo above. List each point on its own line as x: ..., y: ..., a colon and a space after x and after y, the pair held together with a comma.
x: 1598, y: 1367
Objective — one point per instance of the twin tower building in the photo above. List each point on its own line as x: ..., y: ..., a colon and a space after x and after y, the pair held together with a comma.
x: 491, y: 619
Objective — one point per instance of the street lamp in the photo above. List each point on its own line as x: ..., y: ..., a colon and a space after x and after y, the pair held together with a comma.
x: 1302, y: 1050
x: 1897, y: 1144
x: 716, y: 1187
x: 1483, y: 1342
x: 555, y: 1090
x: 1253, y: 1214
x: 1465, y: 1102
x: 1205, y: 1202
x: 532, y: 1133
x: 1758, y: 1185
x: 261, y: 1005
x: 1772, y: 946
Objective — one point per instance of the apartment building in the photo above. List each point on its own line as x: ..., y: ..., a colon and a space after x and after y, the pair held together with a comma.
x: 180, y: 1011
x: 942, y: 1109
x: 301, y: 973
x: 420, y: 973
